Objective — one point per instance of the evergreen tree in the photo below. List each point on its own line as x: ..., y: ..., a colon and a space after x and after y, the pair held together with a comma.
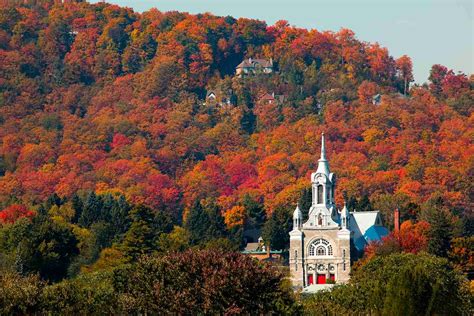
x: 91, y: 210
x: 441, y: 227
x: 196, y: 223
x: 276, y: 229
x: 47, y: 249
x: 144, y: 232
x: 216, y: 227
x: 205, y: 223
x: 140, y: 238
x: 52, y: 200
x: 78, y: 206
x: 305, y: 202
x: 119, y: 218
x: 255, y: 211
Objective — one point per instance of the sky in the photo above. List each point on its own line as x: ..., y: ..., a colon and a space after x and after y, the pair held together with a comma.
x: 429, y: 31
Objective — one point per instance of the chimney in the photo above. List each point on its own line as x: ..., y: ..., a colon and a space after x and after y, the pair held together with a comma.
x: 396, y: 221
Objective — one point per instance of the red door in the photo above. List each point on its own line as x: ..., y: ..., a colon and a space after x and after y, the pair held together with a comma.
x: 321, y: 279
x: 332, y: 277
x: 310, y: 279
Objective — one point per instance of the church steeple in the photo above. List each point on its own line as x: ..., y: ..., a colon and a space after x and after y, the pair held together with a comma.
x: 323, y: 165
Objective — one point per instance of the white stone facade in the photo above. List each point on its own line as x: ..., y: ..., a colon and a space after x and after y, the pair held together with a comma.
x: 320, y: 248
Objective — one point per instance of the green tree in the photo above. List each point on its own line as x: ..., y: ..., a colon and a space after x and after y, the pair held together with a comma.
x: 398, y: 284
x: 91, y: 210
x: 204, y: 222
x: 441, y: 226
x: 48, y: 248
x: 255, y: 211
x: 276, y: 229
x: 305, y: 202
x: 202, y: 282
x: 145, y: 229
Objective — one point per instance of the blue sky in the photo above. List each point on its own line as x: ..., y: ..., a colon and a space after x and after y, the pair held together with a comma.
x: 429, y: 31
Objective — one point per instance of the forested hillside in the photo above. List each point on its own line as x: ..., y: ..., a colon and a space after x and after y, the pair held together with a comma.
x: 103, y: 110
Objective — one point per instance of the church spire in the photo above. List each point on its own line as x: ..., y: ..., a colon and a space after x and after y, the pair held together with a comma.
x: 323, y: 148
x: 323, y: 165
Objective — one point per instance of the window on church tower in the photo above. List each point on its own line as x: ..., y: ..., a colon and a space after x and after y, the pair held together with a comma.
x: 320, y: 194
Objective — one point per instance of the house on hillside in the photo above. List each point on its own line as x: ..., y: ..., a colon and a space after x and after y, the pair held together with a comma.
x: 323, y: 248
x: 272, y: 98
x: 376, y: 99
x: 251, y: 66
x: 217, y: 97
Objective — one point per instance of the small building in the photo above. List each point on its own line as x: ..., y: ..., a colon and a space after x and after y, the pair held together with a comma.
x: 272, y: 98
x: 323, y: 248
x: 254, y: 66
x: 216, y: 97
x: 376, y: 99
x: 262, y: 252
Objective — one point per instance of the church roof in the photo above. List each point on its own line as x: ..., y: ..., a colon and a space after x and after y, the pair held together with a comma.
x: 375, y: 233
x: 367, y: 227
x: 365, y: 220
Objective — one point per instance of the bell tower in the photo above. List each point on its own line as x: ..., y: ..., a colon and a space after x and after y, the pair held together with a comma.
x: 323, y: 181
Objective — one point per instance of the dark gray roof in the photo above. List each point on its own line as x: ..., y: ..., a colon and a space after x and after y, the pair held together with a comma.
x: 251, y: 63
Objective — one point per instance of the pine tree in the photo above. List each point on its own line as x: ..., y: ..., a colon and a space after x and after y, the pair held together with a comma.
x: 305, y: 202
x: 78, y: 206
x: 441, y: 226
x: 255, y: 211
x: 91, y: 211
x: 196, y: 223
x: 140, y: 238
x: 276, y: 229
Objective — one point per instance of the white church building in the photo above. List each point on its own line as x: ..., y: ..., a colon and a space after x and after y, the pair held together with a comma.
x: 321, y: 248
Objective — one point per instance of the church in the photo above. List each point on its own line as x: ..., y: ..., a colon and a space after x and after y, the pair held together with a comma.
x: 323, y: 247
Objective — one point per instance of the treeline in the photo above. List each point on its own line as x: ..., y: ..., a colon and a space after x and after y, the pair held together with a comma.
x: 192, y: 282
x: 92, y: 232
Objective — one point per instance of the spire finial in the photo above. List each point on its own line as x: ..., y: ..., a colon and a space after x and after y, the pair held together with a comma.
x: 323, y: 148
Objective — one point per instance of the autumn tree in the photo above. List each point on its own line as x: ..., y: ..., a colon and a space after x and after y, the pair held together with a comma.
x: 404, y: 69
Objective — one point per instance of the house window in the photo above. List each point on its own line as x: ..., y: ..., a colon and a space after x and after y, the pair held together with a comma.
x: 320, y: 194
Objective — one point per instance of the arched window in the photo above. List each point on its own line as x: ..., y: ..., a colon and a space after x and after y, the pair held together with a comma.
x: 320, y: 247
x: 320, y: 220
x: 321, y: 251
x: 320, y: 194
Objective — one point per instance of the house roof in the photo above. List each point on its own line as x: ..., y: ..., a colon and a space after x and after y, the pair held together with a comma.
x: 252, y: 247
x: 251, y: 63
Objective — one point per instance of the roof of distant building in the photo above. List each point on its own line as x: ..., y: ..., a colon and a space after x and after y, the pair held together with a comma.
x: 251, y: 63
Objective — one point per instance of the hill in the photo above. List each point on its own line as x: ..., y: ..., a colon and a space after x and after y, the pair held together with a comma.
x: 101, y: 98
